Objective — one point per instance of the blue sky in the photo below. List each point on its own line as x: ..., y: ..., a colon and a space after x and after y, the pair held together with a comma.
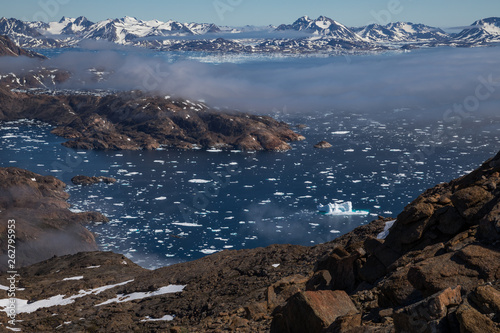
x: 441, y: 13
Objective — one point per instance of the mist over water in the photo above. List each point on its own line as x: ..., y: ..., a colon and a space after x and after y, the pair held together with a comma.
x: 426, y: 78
x: 399, y: 124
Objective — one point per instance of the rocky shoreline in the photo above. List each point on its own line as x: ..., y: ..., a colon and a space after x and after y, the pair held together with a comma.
x: 437, y: 269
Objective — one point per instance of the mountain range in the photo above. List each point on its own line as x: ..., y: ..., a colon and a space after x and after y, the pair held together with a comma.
x: 304, y: 35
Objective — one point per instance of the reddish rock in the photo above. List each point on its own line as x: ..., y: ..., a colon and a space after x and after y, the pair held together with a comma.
x: 312, y: 311
x: 487, y: 300
x: 472, y: 321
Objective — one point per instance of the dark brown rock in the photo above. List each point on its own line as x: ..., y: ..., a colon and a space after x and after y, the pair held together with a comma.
x: 469, y: 201
x: 450, y: 221
x: 323, y: 145
x: 472, y: 321
x: 428, y: 315
x: 86, y: 180
x: 340, y: 265
x: 487, y: 299
x: 280, y: 291
x: 321, y: 280
x: 312, y: 311
x: 347, y: 323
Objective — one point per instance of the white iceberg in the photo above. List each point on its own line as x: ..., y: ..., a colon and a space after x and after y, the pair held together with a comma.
x: 342, y: 208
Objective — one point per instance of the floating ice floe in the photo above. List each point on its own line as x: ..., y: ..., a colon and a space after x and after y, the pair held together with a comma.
x: 186, y: 224
x: 209, y: 251
x: 385, y: 233
x: 199, y: 181
x: 344, y: 208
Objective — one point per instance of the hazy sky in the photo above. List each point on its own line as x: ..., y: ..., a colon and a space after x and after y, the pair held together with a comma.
x: 441, y: 13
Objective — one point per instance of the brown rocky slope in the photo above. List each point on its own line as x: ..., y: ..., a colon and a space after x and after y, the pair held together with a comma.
x: 437, y: 270
x: 44, y: 224
x: 9, y: 48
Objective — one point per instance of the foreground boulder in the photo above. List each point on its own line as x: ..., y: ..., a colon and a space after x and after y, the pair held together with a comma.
x: 312, y: 311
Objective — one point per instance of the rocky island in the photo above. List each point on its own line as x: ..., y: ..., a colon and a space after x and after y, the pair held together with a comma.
x: 436, y: 268
x: 131, y: 120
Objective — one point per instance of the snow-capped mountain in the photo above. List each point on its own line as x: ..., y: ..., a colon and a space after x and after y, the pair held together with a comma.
x: 305, y: 35
x: 128, y: 29
x: 401, y: 32
x: 68, y: 26
x: 482, y: 31
x: 72, y: 30
x: 322, y: 26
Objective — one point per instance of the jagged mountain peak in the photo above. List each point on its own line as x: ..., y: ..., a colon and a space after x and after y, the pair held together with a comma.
x: 482, y: 31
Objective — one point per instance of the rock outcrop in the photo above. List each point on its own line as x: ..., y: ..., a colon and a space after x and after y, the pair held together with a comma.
x: 323, y: 145
x: 86, y: 180
x: 44, y: 225
x: 133, y: 121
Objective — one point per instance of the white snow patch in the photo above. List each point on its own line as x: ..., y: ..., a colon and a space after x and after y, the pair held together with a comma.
x: 164, y: 318
x: 385, y: 233
x: 22, y: 305
x: 74, y: 278
x: 120, y: 298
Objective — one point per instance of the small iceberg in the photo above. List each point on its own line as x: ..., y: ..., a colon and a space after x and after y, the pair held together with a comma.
x: 343, y: 208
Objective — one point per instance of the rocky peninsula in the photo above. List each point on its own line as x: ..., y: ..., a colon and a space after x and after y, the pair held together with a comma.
x: 130, y: 120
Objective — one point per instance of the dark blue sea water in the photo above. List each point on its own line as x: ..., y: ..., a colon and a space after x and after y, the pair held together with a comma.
x: 171, y: 206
